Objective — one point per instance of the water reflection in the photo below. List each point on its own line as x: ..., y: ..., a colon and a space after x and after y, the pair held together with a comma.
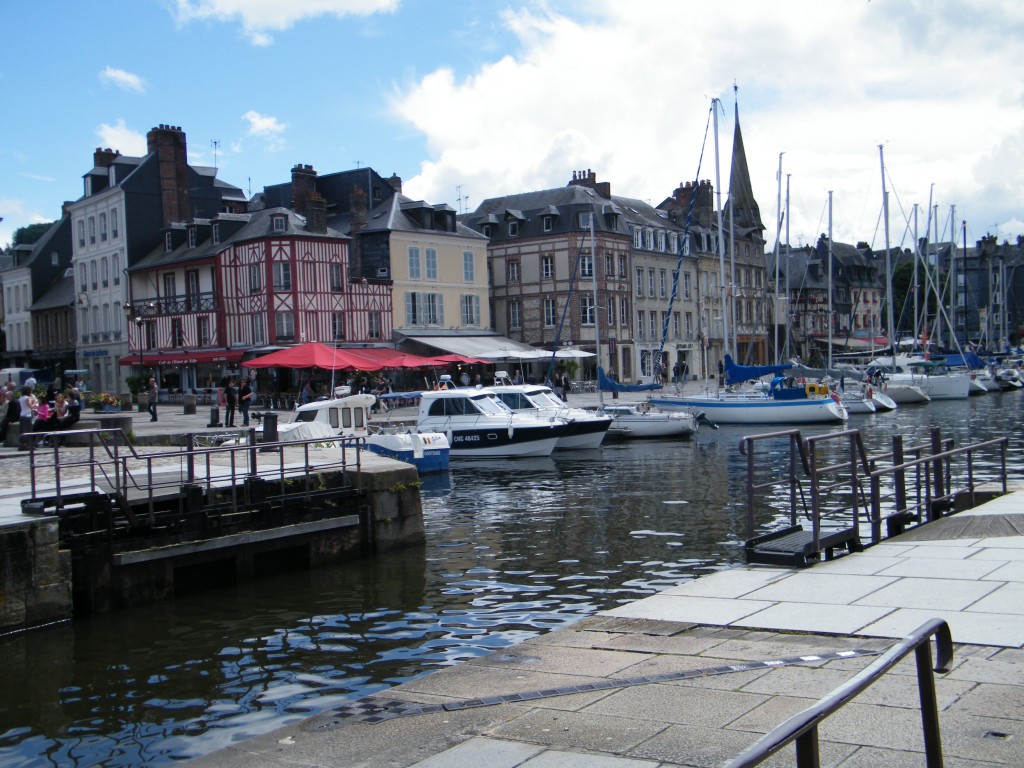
x: 513, y: 549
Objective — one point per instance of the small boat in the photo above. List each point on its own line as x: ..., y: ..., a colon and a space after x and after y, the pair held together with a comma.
x: 857, y: 403
x: 350, y: 417
x: 478, y: 424
x: 1009, y: 379
x: 633, y: 421
x: 932, y: 378
x: 783, y: 401
x: 584, y: 429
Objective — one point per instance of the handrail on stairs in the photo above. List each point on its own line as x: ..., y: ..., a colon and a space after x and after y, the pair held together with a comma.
x: 803, y: 727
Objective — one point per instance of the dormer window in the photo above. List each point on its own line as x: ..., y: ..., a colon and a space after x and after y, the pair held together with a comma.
x: 548, y: 223
x: 168, y: 242
x: 279, y: 223
x: 487, y: 231
x: 513, y: 229
x: 191, y: 237
x: 584, y: 220
x: 215, y: 233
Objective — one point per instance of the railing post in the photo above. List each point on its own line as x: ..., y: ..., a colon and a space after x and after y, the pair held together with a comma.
x: 815, y: 496
x: 929, y: 706
x: 937, y: 472
x: 253, y: 469
x: 190, y: 458
x: 794, y: 450
x: 807, y: 749
x: 899, y: 477
x: 750, y: 484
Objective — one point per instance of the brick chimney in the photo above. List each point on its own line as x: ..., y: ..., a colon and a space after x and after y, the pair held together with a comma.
x: 303, y: 187
x: 396, y: 182
x: 357, y: 220
x: 703, y: 203
x: 102, y: 158
x: 589, y: 179
x: 168, y: 143
x: 316, y: 213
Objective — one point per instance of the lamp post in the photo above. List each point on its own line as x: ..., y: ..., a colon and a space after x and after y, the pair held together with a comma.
x: 138, y: 316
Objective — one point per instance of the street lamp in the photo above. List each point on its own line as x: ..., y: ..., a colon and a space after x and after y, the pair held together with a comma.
x: 138, y: 316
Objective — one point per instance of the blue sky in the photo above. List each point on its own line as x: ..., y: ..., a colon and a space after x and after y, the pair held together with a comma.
x: 478, y: 99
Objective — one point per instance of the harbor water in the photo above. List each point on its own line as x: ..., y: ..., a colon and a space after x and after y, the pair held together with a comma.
x: 513, y: 549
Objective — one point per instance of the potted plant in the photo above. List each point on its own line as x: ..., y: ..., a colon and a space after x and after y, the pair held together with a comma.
x: 104, y: 402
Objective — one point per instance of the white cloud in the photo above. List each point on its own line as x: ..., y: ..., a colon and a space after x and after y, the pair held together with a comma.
x: 626, y: 90
x: 267, y: 128
x: 123, y: 79
x: 257, y: 17
x: 122, y: 138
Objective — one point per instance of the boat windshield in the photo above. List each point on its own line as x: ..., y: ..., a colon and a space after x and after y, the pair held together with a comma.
x: 545, y: 398
x: 488, y: 403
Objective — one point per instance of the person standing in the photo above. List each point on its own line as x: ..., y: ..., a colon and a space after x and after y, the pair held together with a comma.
x: 566, y: 386
x: 244, y: 400
x: 154, y: 393
x: 12, y: 413
x: 28, y: 404
x: 231, y: 401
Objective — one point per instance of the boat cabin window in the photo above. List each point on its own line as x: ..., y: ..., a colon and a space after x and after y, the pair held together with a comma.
x: 545, y: 398
x: 305, y: 416
x: 450, y: 406
x: 352, y: 417
x: 490, y: 404
x: 517, y: 401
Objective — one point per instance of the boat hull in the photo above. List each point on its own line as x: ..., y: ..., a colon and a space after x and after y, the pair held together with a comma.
x: 502, y: 441
x: 883, y: 402
x: 583, y: 434
x: 740, y: 410
x: 905, y: 393
x: 428, y: 452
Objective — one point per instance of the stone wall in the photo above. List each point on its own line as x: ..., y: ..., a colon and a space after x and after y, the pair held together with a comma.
x: 35, y: 576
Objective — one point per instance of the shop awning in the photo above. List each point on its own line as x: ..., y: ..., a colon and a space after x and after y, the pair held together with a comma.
x: 184, y: 358
x: 490, y: 347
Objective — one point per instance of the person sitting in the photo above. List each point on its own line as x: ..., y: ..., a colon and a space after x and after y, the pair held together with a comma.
x: 42, y: 421
x: 73, y: 412
x: 12, y: 412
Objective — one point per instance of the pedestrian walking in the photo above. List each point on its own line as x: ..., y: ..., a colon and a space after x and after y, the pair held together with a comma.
x: 231, y: 402
x: 244, y: 400
x: 154, y: 393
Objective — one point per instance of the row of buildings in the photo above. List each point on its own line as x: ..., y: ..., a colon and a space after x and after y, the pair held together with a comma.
x: 161, y: 267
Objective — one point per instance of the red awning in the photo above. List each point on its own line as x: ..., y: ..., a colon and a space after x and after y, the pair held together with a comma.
x: 184, y: 358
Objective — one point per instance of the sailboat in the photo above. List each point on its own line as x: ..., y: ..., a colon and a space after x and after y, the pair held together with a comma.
x: 783, y: 401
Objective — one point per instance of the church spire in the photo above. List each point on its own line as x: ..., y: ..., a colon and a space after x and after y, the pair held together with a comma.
x: 741, y: 194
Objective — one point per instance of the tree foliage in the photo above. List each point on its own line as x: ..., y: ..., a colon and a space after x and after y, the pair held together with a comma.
x: 29, y: 234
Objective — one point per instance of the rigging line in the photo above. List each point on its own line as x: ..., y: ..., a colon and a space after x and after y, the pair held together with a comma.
x: 573, y: 273
x: 656, y: 370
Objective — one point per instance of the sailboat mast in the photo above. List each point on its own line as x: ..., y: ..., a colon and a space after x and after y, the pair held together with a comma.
x: 940, y: 288
x: 597, y: 307
x: 829, y: 281
x: 952, y: 275
x: 888, y: 264
x: 778, y: 233
x: 716, y: 103
x: 789, y: 288
x: 916, y: 284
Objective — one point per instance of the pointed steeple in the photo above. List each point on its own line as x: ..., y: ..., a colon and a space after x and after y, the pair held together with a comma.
x: 741, y: 194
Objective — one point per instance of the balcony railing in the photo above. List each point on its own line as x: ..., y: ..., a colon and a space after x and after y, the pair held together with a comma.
x: 179, y: 305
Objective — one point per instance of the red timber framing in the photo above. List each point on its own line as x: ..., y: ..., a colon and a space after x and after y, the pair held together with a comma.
x: 289, y: 290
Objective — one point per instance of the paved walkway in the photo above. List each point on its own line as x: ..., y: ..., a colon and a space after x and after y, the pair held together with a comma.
x: 746, y: 614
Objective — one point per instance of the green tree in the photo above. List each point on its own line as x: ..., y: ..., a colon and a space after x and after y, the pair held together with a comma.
x: 29, y: 234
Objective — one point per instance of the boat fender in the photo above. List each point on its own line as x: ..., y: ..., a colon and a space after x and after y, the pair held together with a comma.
x: 811, y: 389
x: 870, y: 393
x: 836, y: 398
x: 448, y: 434
x: 511, y: 432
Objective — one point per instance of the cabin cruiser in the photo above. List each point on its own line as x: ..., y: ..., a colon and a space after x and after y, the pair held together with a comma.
x: 478, y: 424
x: 584, y: 429
x: 934, y: 379
x: 633, y: 421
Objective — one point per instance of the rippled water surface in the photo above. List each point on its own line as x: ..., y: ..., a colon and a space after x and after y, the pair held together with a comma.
x: 513, y: 549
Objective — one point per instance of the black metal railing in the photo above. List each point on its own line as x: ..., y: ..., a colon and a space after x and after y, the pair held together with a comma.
x: 802, y: 728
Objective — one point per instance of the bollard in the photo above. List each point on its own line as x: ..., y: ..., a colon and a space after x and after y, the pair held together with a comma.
x: 270, y: 428
x: 190, y: 404
x: 214, y: 416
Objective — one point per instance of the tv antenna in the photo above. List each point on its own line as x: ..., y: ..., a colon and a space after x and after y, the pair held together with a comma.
x: 460, y: 198
x: 215, y: 143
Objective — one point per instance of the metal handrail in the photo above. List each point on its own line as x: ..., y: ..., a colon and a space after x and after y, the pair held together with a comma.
x: 796, y: 448
x: 803, y: 727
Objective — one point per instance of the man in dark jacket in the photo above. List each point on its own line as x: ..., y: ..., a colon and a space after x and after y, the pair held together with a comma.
x: 230, y: 400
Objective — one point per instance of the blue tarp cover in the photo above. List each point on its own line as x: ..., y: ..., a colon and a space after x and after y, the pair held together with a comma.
x: 608, y: 385
x: 736, y: 374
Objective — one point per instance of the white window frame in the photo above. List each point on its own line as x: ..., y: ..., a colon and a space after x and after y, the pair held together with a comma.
x: 515, y: 315
x: 282, y: 276
x: 588, y: 310
x: 468, y: 267
x: 550, y: 313
x: 430, y: 263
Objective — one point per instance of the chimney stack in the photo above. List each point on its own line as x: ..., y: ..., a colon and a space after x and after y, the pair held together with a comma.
x: 396, y: 183
x: 168, y: 143
x: 316, y: 213
x: 102, y: 158
x: 303, y: 187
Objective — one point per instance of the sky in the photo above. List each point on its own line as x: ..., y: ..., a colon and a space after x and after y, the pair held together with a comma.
x: 477, y: 99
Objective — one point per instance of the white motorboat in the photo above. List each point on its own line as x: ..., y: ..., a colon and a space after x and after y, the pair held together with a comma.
x: 857, y: 403
x: 350, y: 417
x: 933, y: 379
x: 1009, y: 379
x: 479, y: 425
x: 583, y: 429
x: 633, y: 421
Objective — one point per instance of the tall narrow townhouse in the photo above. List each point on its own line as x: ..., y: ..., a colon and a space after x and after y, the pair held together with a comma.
x: 552, y: 281
x: 127, y: 207
x: 433, y: 266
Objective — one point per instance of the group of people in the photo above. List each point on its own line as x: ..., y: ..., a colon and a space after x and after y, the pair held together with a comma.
x: 56, y: 410
x: 237, y: 398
